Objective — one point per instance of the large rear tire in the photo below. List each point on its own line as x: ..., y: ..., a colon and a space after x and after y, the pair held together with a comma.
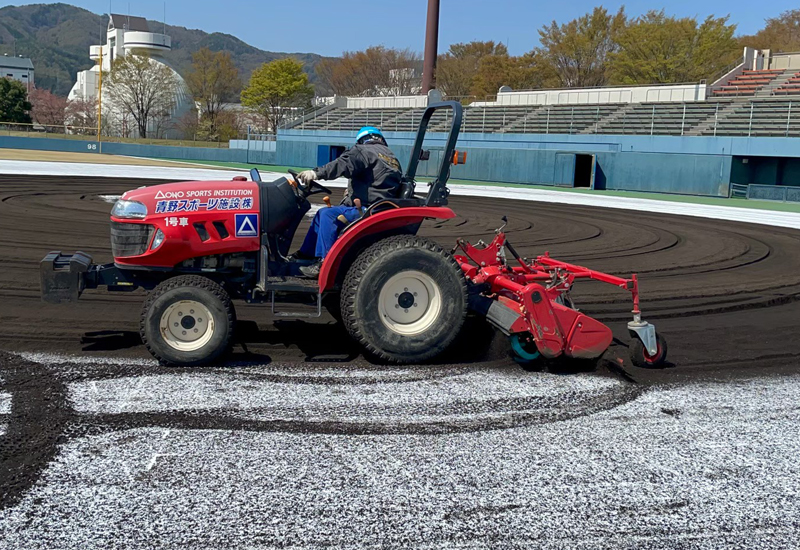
x: 188, y: 321
x: 404, y: 299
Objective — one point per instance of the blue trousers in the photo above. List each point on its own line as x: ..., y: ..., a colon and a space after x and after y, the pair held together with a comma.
x: 325, y: 228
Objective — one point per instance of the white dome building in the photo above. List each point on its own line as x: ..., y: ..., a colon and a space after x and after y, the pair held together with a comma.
x: 128, y: 33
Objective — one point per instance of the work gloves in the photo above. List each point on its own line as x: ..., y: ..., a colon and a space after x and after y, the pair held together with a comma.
x: 307, y: 177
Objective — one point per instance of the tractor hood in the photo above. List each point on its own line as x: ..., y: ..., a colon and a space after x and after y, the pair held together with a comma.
x: 163, y: 225
x: 196, y: 196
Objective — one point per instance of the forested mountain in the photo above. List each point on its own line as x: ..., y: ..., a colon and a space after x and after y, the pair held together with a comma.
x: 57, y: 37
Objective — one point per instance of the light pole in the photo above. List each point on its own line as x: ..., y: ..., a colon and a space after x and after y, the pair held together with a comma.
x: 431, y: 47
x: 100, y: 104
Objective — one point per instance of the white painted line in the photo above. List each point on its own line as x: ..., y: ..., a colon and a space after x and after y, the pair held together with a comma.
x: 730, y: 213
x: 115, y: 171
x: 152, y: 461
x: 158, y: 453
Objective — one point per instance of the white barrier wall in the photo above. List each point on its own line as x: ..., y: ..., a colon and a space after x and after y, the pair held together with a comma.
x: 785, y: 61
x: 397, y: 102
x: 253, y: 145
x: 593, y: 96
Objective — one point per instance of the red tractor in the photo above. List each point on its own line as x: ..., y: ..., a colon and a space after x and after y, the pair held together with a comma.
x: 195, y: 246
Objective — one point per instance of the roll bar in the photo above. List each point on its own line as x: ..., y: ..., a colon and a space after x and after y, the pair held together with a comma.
x: 437, y: 195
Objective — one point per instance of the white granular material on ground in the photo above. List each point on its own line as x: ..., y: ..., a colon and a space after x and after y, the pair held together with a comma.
x: 210, y: 391
x: 699, y: 466
x: 51, y: 358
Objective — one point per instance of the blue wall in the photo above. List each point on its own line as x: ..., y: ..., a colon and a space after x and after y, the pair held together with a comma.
x: 136, y: 150
x: 685, y: 165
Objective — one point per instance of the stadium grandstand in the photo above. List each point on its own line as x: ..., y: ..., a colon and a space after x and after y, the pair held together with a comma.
x: 760, y: 97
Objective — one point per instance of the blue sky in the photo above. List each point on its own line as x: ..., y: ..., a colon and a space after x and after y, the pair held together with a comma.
x: 322, y: 27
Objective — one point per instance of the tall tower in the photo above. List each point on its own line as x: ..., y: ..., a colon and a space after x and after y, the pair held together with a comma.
x: 127, y: 34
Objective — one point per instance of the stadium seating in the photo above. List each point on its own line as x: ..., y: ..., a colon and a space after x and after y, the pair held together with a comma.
x: 666, y: 119
x: 748, y: 83
x: 562, y: 119
x: 790, y: 87
x: 777, y: 117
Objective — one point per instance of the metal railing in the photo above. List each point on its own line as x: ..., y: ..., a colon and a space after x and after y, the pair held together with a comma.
x: 739, y: 190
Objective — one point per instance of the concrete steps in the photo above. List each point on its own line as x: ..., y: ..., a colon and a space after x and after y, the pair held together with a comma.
x: 776, y: 83
x: 709, y: 124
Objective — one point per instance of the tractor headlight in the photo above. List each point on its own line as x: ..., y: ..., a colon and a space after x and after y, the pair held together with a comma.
x: 129, y: 210
x: 157, y: 240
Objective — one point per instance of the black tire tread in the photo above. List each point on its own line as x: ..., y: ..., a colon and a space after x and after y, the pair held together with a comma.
x: 637, y: 353
x: 180, y: 281
x: 359, y: 268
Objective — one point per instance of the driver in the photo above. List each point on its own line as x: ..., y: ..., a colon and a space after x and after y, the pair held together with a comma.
x: 375, y: 175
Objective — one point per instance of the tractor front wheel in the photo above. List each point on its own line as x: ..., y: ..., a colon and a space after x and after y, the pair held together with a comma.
x: 404, y: 299
x: 188, y: 321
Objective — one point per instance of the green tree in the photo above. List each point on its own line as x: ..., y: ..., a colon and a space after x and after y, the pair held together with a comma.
x: 578, y: 51
x: 780, y: 34
x: 376, y: 71
x: 14, y: 104
x: 457, y: 70
x: 520, y: 73
x: 213, y: 81
x: 275, y: 88
x: 142, y: 89
x: 655, y: 48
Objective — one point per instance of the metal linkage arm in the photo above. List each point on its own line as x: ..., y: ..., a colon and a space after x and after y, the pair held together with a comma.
x: 581, y: 272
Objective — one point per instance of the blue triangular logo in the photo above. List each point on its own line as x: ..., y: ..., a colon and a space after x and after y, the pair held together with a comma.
x: 247, y: 225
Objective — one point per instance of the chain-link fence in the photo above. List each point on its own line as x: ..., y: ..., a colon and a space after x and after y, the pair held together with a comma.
x: 777, y: 193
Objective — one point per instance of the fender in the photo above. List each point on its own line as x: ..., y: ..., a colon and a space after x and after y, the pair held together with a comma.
x: 381, y: 222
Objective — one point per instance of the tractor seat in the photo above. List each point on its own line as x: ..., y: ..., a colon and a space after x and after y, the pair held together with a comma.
x: 405, y: 198
x: 406, y: 190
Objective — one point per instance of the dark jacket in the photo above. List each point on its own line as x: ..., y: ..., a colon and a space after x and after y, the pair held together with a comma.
x: 373, y: 170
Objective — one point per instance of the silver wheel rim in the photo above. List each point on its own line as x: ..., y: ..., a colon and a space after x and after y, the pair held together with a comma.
x: 409, y: 303
x: 187, y: 325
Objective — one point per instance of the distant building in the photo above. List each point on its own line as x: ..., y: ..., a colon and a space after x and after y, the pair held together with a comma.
x: 128, y: 33
x: 17, y: 68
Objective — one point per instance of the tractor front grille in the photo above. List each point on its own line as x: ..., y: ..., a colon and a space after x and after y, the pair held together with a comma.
x: 130, y: 239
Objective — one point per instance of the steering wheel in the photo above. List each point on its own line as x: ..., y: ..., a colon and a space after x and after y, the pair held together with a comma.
x: 311, y: 188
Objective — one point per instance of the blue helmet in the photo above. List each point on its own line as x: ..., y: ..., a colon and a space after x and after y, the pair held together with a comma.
x: 368, y: 132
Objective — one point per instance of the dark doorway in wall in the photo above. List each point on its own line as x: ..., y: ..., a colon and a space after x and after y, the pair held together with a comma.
x: 327, y: 153
x: 337, y: 151
x: 766, y: 170
x: 584, y: 170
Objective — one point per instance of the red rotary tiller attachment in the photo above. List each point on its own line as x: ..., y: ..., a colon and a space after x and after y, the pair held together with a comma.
x: 530, y: 302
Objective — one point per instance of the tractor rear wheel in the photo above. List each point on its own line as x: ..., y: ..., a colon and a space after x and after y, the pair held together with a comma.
x: 188, y: 321
x: 404, y: 299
